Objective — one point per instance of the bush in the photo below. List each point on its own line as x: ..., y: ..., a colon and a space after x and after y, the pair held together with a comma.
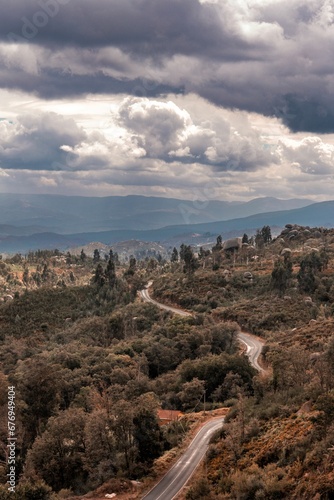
x: 200, y: 490
x: 246, y: 485
x: 27, y: 491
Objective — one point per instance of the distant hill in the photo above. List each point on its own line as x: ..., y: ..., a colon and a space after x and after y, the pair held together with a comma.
x: 318, y: 214
x: 139, y: 249
x: 78, y: 214
x: 9, y: 230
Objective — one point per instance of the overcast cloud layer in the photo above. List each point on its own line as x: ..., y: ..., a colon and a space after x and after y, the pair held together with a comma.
x: 229, y: 99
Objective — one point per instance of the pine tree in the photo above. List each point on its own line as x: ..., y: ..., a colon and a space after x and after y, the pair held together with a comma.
x: 190, y: 262
x: 110, y: 273
x: 281, y: 275
x: 175, y: 255
x: 83, y: 256
x: 99, y: 276
x: 266, y: 234
x: 96, y: 256
x: 219, y: 244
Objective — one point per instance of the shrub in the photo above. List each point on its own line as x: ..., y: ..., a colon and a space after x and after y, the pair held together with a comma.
x: 200, y: 490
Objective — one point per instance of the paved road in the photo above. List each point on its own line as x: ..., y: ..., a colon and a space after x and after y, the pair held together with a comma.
x: 254, y: 348
x: 145, y: 295
x: 254, y: 344
x: 173, y: 482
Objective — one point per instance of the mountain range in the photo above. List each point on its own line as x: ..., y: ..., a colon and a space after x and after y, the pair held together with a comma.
x: 78, y: 214
x: 31, y: 236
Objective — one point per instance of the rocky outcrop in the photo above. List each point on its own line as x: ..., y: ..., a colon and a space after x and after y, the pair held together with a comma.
x: 232, y: 244
x: 293, y: 233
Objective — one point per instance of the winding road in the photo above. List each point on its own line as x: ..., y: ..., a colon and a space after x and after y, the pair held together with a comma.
x: 253, y: 344
x: 177, y: 477
x: 145, y: 295
x: 254, y: 347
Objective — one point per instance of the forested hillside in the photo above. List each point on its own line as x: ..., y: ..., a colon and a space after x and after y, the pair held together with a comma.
x: 91, y: 365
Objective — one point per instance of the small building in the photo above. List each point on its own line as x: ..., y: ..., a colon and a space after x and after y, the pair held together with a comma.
x: 167, y: 416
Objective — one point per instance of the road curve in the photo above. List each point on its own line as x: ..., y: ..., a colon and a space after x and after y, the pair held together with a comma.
x: 253, y: 344
x: 177, y: 477
x: 145, y: 295
x: 254, y: 347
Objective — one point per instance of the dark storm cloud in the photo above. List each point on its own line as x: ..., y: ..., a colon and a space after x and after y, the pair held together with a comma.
x: 35, y: 141
x: 143, y: 28
x: 311, y: 114
x: 273, y: 59
x: 52, y: 83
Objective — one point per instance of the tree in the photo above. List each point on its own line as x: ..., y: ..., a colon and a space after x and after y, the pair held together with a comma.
x: 290, y: 367
x: 203, y: 253
x: 263, y: 236
x: 123, y: 427
x: 325, y: 404
x: 213, y: 370
x: 266, y: 234
x: 147, y: 433
x: 112, y: 256
x: 100, y: 456
x: 132, y: 263
x: 58, y: 454
x: 45, y: 273
x: 25, y: 277
x: 175, y: 255
x: 116, y: 259
x: 219, y: 244
x: 99, y: 276
x: 110, y: 274
x: 281, y: 275
x: 132, y: 266
x: 310, y: 266
x: 191, y: 394
x: 96, y: 255
x: 39, y: 384
x: 259, y: 241
x: 83, y: 256
x: 245, y: 238
x: 190, y: 262
x: 230, y: 388
x: 182, y: 251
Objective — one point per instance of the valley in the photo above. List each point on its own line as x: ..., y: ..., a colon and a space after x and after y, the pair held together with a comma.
x: 119, y: 351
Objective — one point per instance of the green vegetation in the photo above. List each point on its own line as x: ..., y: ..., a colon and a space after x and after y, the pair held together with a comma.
x: 92, y: 365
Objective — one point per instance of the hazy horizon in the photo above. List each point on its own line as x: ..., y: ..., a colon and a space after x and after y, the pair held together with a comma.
x: 191, y: 199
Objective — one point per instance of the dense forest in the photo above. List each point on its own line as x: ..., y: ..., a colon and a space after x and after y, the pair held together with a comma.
x: 91, y: 365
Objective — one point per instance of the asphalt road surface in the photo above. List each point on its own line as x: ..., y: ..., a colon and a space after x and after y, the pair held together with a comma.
x: 254, y: 348
x: 145, y: 295
x: 173, y: 482
x: 253, y: 344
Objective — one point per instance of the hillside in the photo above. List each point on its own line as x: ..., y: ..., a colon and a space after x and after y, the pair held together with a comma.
x: 78, y: 214
x: 91, y: 365
x: 124, y: 249
x: 318, y: 214
x: 278, y: 440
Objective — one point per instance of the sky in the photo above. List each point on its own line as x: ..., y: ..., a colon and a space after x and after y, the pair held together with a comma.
x: 191, y: 99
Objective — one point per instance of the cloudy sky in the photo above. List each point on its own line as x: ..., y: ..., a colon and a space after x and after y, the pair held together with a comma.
x: 229, y: 99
